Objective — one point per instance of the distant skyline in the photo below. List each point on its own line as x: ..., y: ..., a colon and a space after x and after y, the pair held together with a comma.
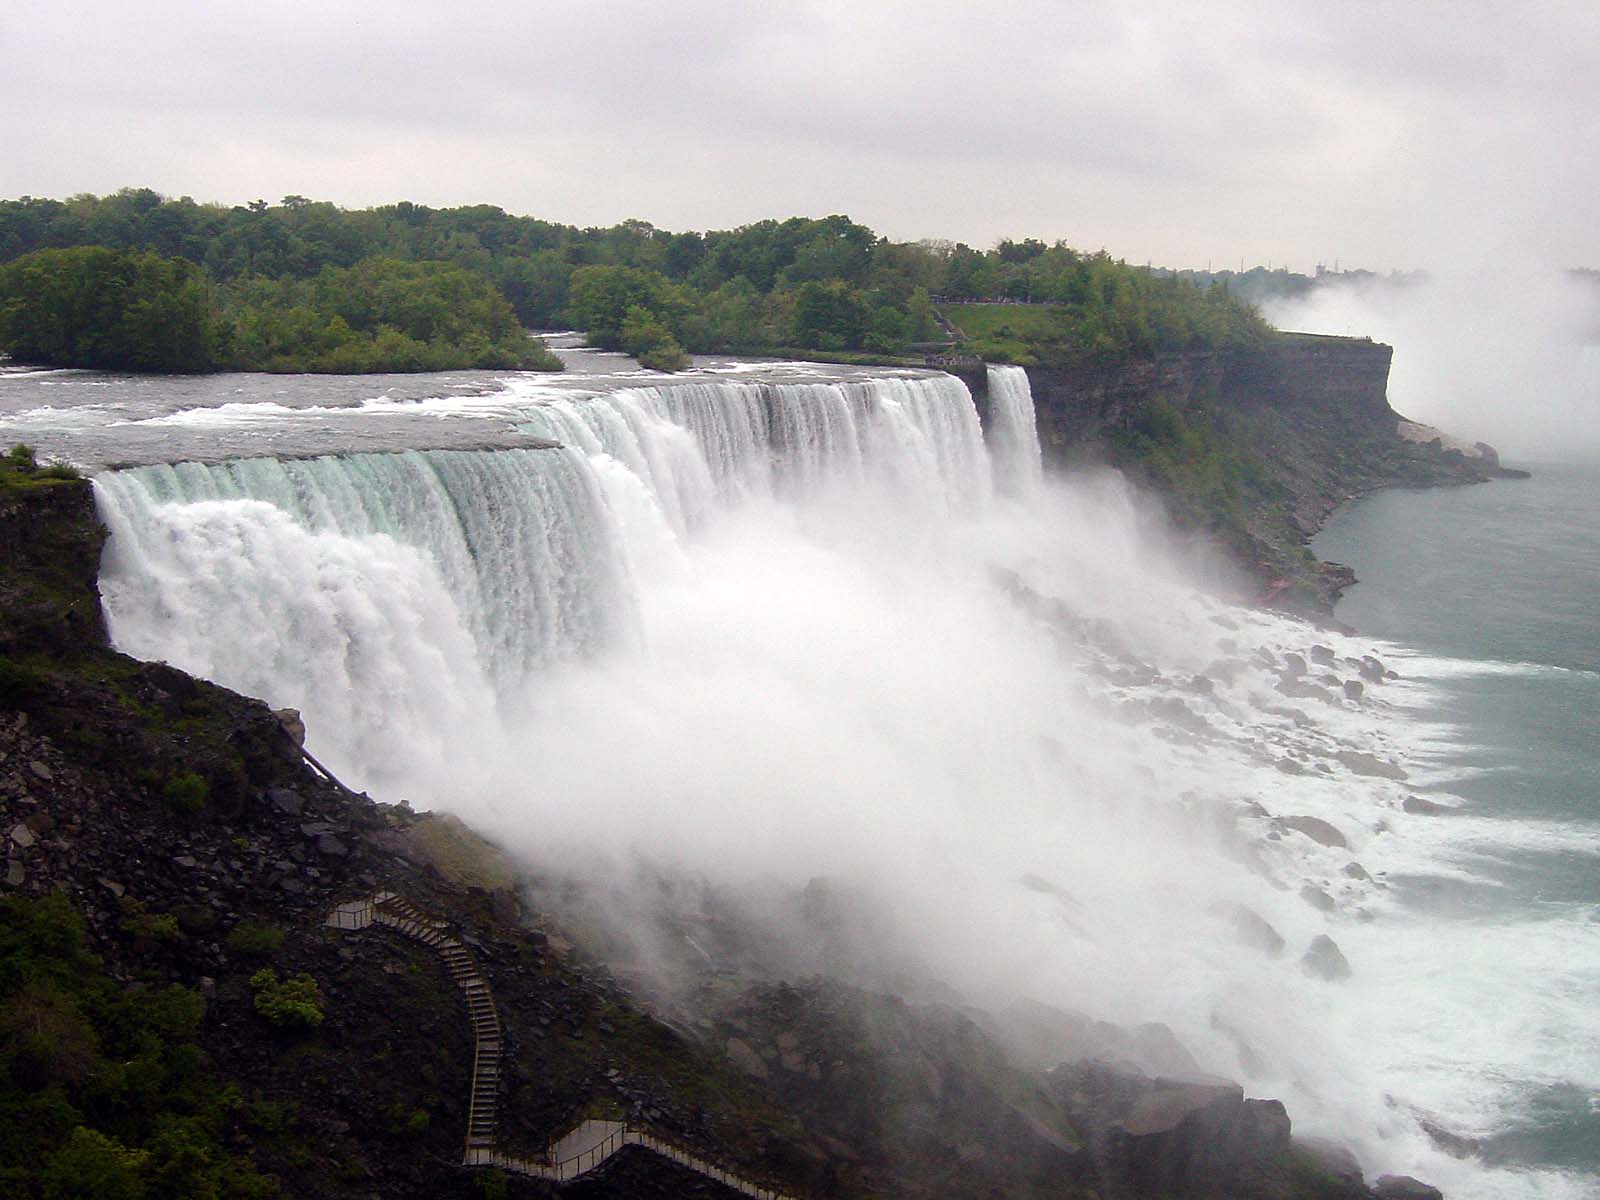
x: 1385, y: 136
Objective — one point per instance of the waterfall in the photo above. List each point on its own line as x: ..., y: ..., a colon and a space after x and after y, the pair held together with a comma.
x: 390, y: 597
x: 1014, y: 433
x: 760, y: 633
x: 703, y: 446
x: 395, y: 596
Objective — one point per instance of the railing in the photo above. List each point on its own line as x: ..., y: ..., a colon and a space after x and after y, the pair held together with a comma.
x: 356, y: 914
x: 392, y: 911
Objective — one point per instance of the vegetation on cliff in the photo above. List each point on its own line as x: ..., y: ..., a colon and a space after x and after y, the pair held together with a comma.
x: 133, y: 310
x: 826, y: 286
x: 105, y: 1090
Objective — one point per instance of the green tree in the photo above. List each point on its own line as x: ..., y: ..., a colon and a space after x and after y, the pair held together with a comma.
x: 90, y: 306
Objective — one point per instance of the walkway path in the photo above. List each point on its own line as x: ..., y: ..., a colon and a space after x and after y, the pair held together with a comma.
x: 575, y: 1153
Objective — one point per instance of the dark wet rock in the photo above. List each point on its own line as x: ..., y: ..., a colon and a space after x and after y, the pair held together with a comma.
x: 1252, y: 929
x: 1454, y: 1144
x: 1041, y: 1037
x: 1322, y: 655
x: 1194, y: 1136
x: 286, y: 800
x: 1332, y: 1157
x: 1325, y: 960
x: 40, y: 771
x: 16, y: 875
x: 1289, y: 767
x: 1294, y: 664
x: 1298, y: 715
x: 1371, y: 669
x: 195, y: 918
x: 1317, y: 898
x: 1355, y: 870
x: 1298, y: 689
x: 331, y: 846
x: 1315, y: 828
x: 1200, y: 685
x: 22, y: 835
x: 1354, y: 689
x: 1370, y: 765
x: 289, y: 719
x: 1416, y: 804
x: 1403, y: 1187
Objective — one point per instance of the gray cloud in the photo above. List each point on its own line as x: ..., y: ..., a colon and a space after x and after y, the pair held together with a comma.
x: 1388, y: 135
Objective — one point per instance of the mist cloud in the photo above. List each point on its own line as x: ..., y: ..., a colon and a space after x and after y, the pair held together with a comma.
x: 1488, y: 353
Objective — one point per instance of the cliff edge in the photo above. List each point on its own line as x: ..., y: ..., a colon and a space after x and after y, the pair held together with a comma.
x: 1254, y: 448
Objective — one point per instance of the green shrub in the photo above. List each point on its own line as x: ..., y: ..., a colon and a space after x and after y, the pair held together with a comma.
x: 290, y: 1003
x: 139, y: 923
x: 257, y: 938
x: 185, y: 793
x: 94, y: 1165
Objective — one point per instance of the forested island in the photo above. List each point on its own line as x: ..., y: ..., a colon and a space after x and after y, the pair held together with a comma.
x: 137, y: 281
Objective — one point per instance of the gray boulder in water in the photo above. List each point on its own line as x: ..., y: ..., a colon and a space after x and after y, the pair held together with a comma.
x: 1252, y: 929
x: 1315, y: 828
x: 1325, y: 960
x: 1403, y: 1187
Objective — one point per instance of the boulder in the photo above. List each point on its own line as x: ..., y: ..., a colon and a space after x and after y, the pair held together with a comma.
x: 1358, y: 763
x: 1354, y: 689
x: 1322, y: 654
x: 1298, y: 689
x: 1416, y: 804
x: 286, y: 800
x: 1315, y: 828
x: 1252, y: 929
x: 1325, y: 960
x: 1317, y: 898
x: 293, y: 726
x: 1332, y: 1157
x: 1403, y: 1187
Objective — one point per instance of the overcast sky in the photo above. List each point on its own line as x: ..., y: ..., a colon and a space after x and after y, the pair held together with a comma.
x: 1385, y: 135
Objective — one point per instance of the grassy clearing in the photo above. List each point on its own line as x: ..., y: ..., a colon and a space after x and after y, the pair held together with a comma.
x: 1007, y: 332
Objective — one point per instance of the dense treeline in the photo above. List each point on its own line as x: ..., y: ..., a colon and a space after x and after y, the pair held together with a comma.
x: 127, y: 310
x: 827, y: 285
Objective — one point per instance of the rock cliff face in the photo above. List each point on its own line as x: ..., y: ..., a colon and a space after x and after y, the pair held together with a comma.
x: 1306, y: 417
x: 53, y: 529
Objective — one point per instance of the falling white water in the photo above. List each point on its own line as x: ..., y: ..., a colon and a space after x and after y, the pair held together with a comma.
x: 769, y: 632
x: 1014, y: 433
